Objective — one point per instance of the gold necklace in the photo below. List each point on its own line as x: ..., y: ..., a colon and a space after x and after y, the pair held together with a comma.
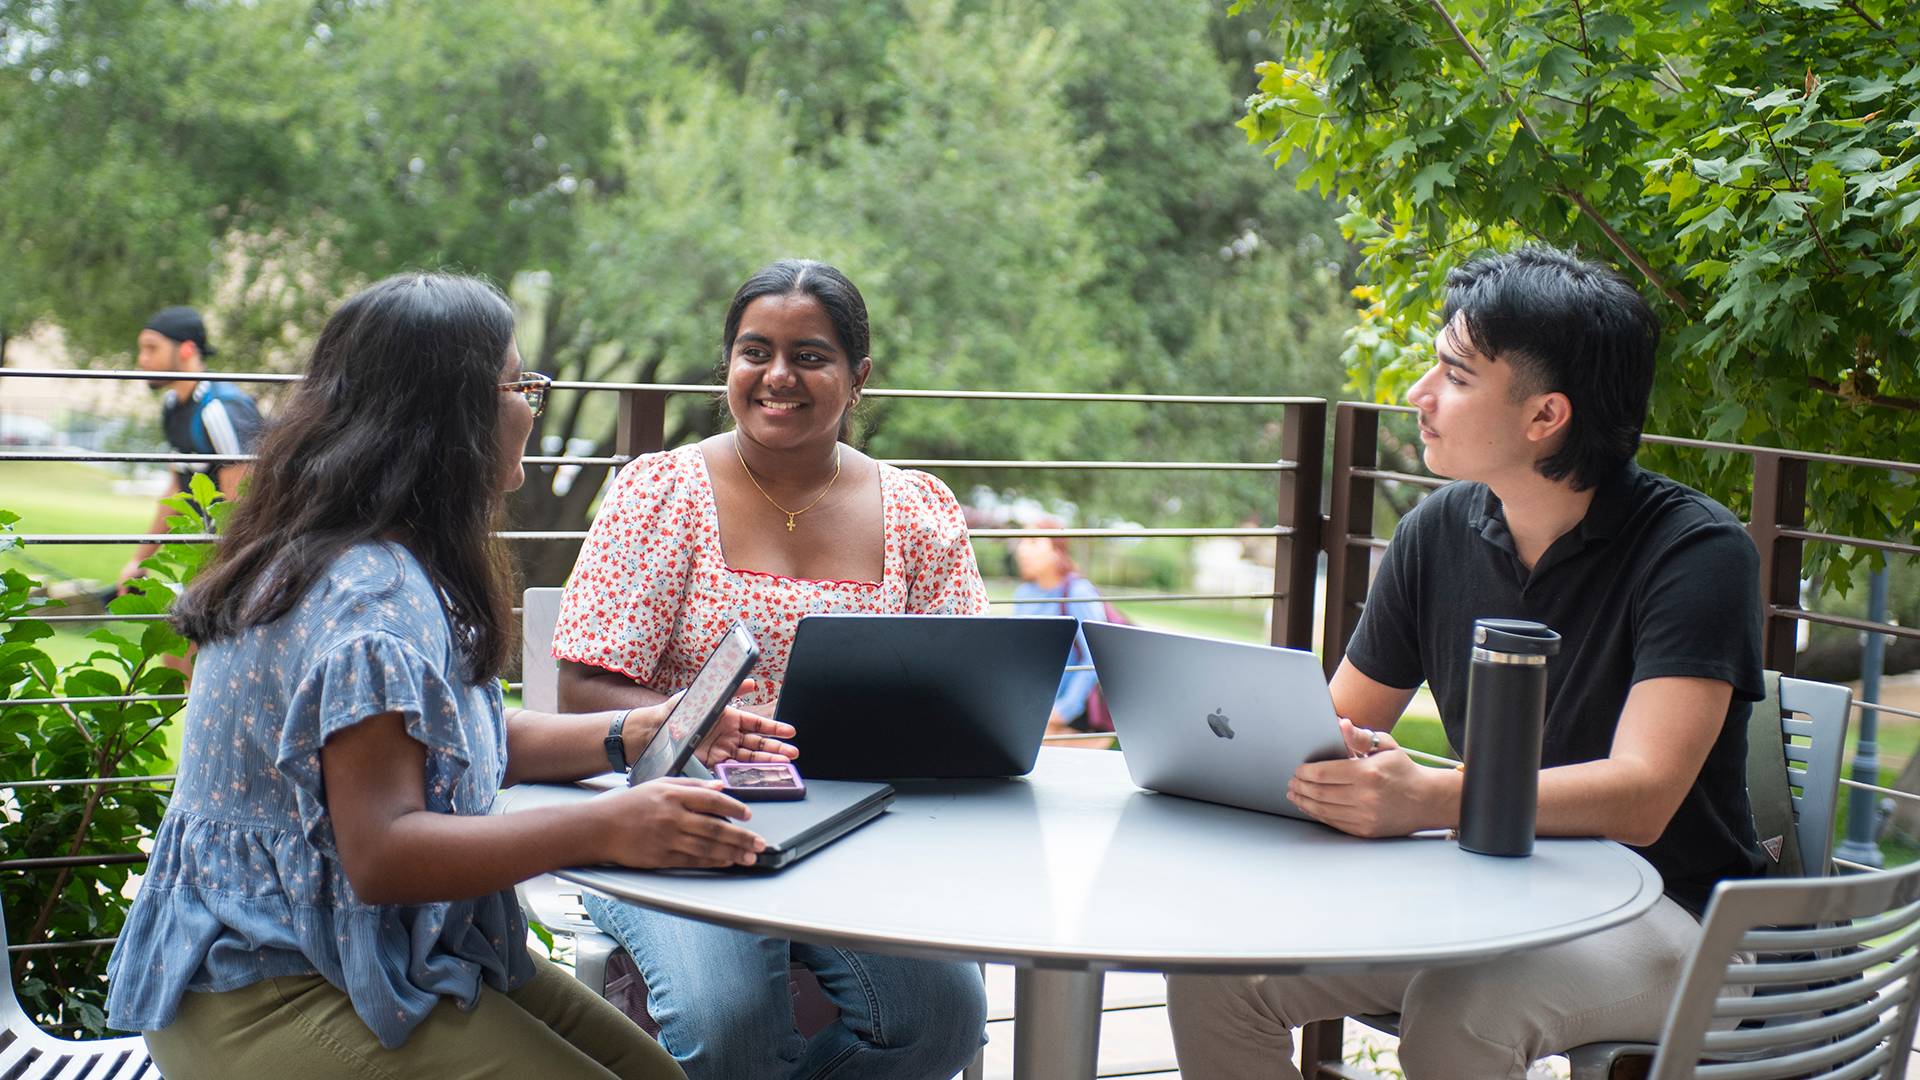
x: 791, y: 514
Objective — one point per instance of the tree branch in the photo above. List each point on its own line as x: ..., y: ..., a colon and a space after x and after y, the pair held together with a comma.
x: 1837, y: 390
x: 1586, y: 208
x: 1871, y: 21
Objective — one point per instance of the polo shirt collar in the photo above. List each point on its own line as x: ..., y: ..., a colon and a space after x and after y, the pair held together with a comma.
x: 1612, y: 499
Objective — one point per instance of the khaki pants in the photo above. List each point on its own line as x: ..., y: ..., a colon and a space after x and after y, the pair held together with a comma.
x: 303, y: 1028
x: 1471, y: 1022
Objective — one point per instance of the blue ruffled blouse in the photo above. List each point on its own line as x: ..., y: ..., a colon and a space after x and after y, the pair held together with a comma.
x: 245, y: 883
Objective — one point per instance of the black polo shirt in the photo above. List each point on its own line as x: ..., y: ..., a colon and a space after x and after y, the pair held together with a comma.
x: 1657, y: 580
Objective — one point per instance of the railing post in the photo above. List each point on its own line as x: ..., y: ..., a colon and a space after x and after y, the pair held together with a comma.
x: 1779, y: 502
x: 1350, y: 516
x: 643, y: 423
x: 1296, y: 557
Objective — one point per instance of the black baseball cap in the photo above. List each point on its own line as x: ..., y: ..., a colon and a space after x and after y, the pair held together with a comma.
x: 181, y: 324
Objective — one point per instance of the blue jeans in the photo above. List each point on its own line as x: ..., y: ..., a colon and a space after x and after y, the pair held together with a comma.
x: 720, y: 998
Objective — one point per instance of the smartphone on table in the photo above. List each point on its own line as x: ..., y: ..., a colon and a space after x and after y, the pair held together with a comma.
x: 758, y: 781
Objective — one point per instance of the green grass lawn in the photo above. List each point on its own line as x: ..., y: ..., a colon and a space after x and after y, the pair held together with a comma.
x: 70, y: 497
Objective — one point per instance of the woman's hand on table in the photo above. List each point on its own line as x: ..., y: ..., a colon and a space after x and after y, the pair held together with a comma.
x: 675, y: 822
x: 747, y: 734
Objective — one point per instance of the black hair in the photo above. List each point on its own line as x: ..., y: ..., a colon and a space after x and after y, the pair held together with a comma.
x: 1567, y: 326
x: 844, y: 305
x: 394, y: 432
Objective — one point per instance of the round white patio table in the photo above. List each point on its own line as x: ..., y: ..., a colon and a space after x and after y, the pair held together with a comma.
x: 1071, y: 871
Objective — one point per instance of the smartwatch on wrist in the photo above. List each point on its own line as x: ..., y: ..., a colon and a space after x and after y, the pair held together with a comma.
x: 616, y: 743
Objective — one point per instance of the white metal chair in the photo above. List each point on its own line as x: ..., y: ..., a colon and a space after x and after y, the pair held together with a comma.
x: 27, y: 1053
x: 1812, y: 736
x: 1832, y: 976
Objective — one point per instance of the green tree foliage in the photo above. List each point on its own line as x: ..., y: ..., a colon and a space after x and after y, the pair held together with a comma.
x: 1031, y: 196
x: 1752, y: 165
x: 98, y: 737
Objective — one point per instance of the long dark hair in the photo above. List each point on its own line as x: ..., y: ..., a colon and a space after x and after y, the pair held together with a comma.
x: 846, y: 309
x: 394, y: 433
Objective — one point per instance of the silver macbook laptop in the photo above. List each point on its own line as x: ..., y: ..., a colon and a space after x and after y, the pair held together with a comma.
x: 1215, y: 720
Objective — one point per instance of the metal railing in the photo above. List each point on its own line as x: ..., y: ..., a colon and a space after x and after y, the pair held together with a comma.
x: 1301, y: 536
x: 641, y: 428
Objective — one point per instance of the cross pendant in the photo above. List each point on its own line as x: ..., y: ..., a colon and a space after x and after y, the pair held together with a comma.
x: 789, y: 522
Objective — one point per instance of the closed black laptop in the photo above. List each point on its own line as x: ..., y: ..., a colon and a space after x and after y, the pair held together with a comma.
x: 922, y: 697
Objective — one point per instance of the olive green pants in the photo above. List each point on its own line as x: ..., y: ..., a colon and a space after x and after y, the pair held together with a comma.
x: 303, y: 1028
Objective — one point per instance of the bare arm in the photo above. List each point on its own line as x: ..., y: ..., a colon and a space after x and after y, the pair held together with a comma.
x: 545, y: 746
x: 228, y: 478
x: 585, y: 688
x: 1369, y: 704
x: 161, y: 512
x: 396, y: 851
x: 1666, y: 729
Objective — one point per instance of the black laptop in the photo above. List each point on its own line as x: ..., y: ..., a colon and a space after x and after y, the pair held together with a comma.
x: 922, y: 697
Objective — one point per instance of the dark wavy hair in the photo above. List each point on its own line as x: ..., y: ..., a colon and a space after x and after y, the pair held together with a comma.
x: 846, y: 309
x: 394, y: 433
x: 1572, y: 327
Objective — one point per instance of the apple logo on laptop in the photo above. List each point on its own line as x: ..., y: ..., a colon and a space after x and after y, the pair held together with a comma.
x: 1217, y: 721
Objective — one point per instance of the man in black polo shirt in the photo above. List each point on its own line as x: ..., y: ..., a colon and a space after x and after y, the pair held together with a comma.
x: 1535, y: 405
x: 199, y: 416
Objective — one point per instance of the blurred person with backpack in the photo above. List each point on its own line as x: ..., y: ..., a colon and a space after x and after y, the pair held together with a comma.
x: 199, y: 416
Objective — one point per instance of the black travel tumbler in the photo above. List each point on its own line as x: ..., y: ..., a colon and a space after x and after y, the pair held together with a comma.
x: 1506, y: 713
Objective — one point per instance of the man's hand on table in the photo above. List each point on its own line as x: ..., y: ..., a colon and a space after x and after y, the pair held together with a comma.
x: 1380, y: 791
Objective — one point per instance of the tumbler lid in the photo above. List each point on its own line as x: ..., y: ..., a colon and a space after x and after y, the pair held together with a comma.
x: 1519, y: 636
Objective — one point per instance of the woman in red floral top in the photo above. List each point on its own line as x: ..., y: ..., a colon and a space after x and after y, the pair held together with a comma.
x: 771, y: 521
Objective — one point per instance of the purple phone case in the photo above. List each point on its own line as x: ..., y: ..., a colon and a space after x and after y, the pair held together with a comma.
x: 790, y: 787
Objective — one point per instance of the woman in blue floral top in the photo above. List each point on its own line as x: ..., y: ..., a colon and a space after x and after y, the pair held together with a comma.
x: 327, y: 895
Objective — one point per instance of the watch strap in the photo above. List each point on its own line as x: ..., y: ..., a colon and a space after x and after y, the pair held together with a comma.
x: 616, y: 743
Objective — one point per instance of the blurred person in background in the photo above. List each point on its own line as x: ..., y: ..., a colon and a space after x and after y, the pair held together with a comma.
x: 199, y: 416
x: 1051, y: 584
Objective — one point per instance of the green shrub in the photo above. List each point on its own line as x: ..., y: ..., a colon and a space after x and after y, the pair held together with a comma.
x: 65, y: 990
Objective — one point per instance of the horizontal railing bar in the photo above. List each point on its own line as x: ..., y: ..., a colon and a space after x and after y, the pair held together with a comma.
x: 102, y: 700
x: 1698, y: 444
x: 1847, y: 621
x: 1811, y: 456
x: 1121, y: 534
x: 117, y: 375
x: 52, y: 539
x: 156, y: 457
x: 1164, y: 466
x: 1861, y: 868
x: 66, y: 862
x: 1850, y: 541
x: 88, y: 781
x: 1078, y: 667
x: 702, y: 388
x: 1863, y: 706
x: 1400, y: 477
x: 55, y: 946
x: 1895, y: 793
x: 1111, y: 598
x: 1077, y: 736
x: 105, y: 616
x: 55, y: 539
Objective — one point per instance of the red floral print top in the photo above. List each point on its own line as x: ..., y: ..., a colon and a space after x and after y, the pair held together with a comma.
x: 652, y: 593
